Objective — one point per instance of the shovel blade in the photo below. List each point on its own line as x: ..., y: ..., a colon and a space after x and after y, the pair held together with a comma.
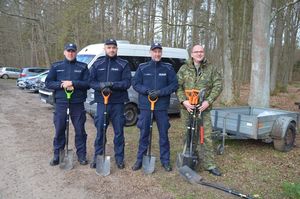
x: 103, y: 165
x: 148, y: 164
x: 66, y: 159
x: 188, y: 174
x: 61, y: 156
x: 186, y: 159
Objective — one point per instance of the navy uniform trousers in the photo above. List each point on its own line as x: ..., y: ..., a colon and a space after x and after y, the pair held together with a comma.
x: 116, y: 115
x: 162, y: 121
x: 78, y: 118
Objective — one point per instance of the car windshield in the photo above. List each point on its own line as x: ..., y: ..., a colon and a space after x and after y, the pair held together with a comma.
x: 85, y: 58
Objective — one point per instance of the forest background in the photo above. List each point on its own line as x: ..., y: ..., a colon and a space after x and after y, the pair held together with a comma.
x: 254, y: 42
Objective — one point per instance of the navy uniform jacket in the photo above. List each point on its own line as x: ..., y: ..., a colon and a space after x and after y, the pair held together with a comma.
x: 111, y: 69
x: 154, y: 75
x: 74, y: 71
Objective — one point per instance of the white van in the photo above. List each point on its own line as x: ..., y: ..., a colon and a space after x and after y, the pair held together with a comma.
x: 135, y: 55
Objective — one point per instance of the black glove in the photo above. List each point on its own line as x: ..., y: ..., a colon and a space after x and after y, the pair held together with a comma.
x: 106, y: 91
x: 148, y: 92
x: 154, y: 94
x: 105, y: 84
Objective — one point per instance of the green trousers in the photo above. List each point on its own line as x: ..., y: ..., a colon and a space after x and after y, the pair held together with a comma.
x: 204, y: 151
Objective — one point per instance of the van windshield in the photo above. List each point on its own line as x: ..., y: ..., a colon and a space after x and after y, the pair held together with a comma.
x: 85, y: 58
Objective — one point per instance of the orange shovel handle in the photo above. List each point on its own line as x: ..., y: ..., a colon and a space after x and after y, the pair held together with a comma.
x: 105, y: 97
x: 152, y: 102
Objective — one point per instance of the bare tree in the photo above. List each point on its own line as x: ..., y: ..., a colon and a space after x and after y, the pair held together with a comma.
x: 260, y: 73
x: 277, y: 46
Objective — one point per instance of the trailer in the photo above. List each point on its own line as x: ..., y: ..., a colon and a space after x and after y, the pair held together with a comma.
x: 266, y: 124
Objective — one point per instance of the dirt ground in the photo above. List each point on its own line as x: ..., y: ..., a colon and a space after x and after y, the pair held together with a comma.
x: 26, y: 148
x: 26, y: 134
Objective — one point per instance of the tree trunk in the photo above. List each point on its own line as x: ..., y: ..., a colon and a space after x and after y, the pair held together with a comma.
x: 102, y: 20
x: 195, y: 30
x: 277, y: 49
x: 43, y: 43
x: 241, y: 50
x: 153, y: 13
x: 115, y: 19
x: 207, y: 32
x: 164, y: 22
x: 227, y: 94
x: 183, y: 29
x: 148, y: 23
x: 260, y: 72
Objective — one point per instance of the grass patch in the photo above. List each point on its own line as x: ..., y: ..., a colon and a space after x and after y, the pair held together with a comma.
x: 248, y: 166
x: 291, y: 190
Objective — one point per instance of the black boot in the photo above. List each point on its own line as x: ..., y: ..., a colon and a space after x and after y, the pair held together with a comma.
x: 54, y: 162
x: 137, y: 165
x: 167, y: 167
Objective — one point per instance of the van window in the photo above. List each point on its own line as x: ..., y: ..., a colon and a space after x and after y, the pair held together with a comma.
x: 85, y: 58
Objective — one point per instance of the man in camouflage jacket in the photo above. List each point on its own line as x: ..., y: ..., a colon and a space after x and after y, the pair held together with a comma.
x: 198, y: 74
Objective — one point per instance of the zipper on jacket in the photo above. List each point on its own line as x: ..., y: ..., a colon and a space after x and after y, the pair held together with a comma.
x: 108, y: 68
x: 155, y: 75
x: 70, y: 67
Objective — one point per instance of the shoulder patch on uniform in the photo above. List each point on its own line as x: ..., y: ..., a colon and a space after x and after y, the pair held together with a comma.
x: 121, y: 62
x: 81, y: 64
x: 100, y: 60
x: 58, y: 63
x: 167, y: 65
x: 142, y: 66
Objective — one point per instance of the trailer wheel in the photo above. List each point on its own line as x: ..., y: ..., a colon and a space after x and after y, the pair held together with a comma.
x: 286, y: 143
x: 131, y: 114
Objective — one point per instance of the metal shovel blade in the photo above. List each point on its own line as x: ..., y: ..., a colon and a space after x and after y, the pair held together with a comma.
x: 186, y: 159
x: 103, y: 165
x: 61, y: 156
x: 66, y: 159
x: 148, y: 164
x: 190, y: 175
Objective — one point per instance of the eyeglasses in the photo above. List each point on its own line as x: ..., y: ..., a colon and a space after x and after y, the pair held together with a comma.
x: 197, y: 51
x: 73, y: 51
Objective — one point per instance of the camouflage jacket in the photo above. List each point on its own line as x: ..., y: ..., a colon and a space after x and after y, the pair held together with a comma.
x: 208, y: 77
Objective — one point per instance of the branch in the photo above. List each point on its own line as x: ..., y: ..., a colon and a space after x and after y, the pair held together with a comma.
x: 182, y: 25
x: 283, y: 7
x: 19, y: 16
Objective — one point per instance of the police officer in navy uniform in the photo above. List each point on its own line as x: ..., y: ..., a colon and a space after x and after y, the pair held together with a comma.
x: 69, y: 74
x: 154, y: 79
x: 110, y: 74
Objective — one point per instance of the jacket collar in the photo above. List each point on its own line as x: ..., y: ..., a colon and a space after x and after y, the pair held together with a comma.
x: 70, y: 62
x: 111, y: 58
x: 203, y: 64
x: 155, y: 62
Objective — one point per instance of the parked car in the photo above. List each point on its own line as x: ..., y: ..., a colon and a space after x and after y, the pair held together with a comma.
x: 32, y: 71
x: 134, y: 54
x: 9, y: 72
x: 32, y: 83
x: 46, y: 94
x: 27, y: 73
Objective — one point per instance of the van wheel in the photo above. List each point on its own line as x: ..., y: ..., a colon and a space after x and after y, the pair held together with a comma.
x: 287, y: 142
x: 131, y: 114
x: 4, y: 76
